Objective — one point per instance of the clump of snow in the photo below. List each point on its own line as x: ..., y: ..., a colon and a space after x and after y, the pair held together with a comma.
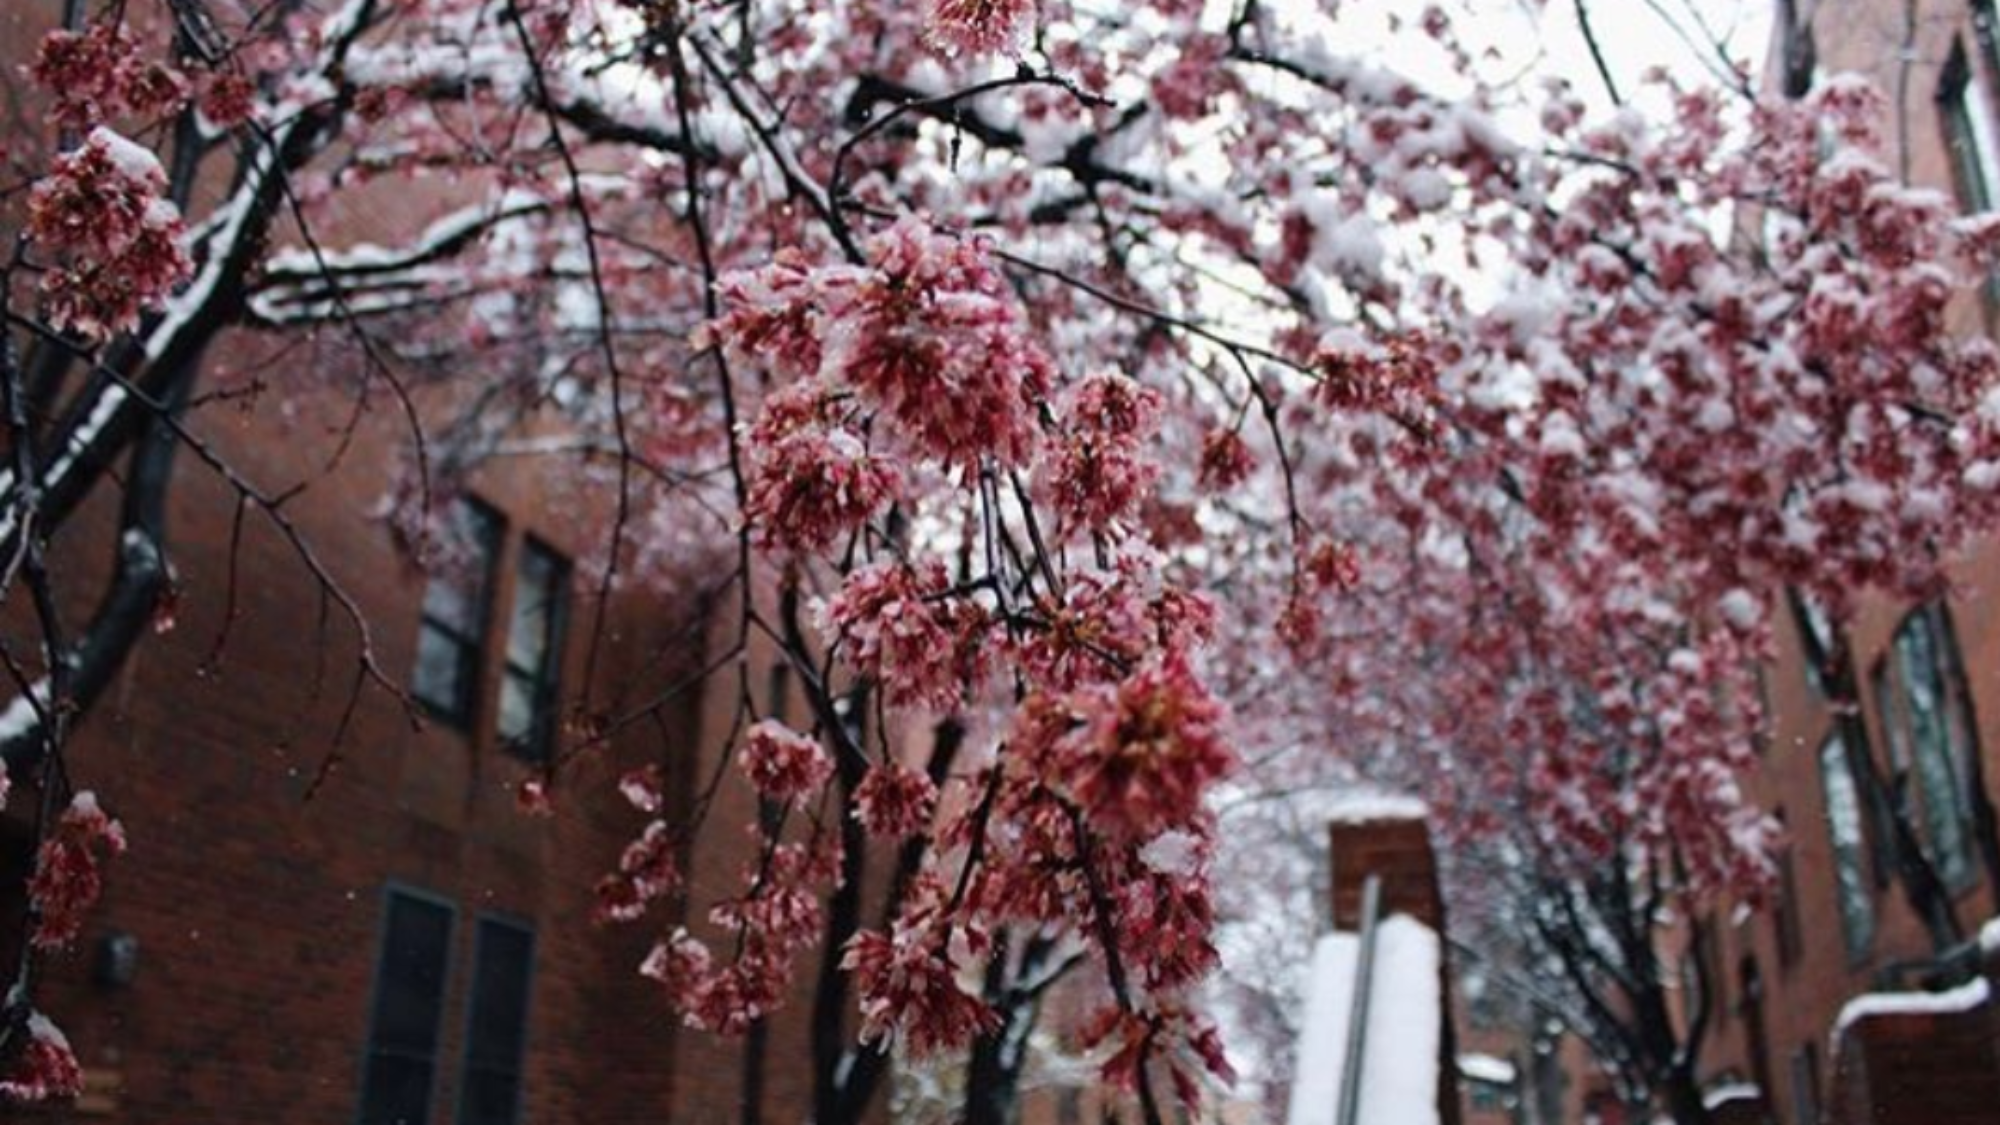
x: 1399, y: 1079
x: 134, y: 160
x: 1740, y: 608
x: 1719, y: 1096
x: 1172, y: 853
x: 1490, y: 1069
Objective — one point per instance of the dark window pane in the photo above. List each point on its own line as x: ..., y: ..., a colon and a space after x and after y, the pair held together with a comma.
x: 517, y: 708
x: 528, y: 694
x: 497, y: 1033
x: 453, y: 631
x: 409, y: 999
x: 461, y: 569
x: 535, y: 597
x: 490, y: 1099
x: 444, y: 671
x: 399, y: 1091
x: 1920, y: 656
x: 1843, y: 820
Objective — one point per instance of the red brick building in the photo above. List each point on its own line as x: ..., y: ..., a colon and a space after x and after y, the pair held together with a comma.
x: 1927, y: 679
x: 402, y: 944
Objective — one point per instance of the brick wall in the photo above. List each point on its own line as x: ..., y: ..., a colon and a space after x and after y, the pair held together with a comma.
x: 1920, y: 1068
x: 258, y: 912
x: 1779, y: 998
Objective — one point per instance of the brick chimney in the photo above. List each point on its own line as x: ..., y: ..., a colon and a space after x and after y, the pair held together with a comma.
x: 1395, y: 847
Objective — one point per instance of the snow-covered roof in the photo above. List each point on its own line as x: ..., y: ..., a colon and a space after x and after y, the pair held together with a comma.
x: 1490, y: 1069
x: 1399, y: 1081
x: 1964, y: 998
x: 1367, y: 804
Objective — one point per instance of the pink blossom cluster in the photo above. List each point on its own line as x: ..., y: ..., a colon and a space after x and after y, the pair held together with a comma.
x: 46, y: 1068
x: 1102, y: 465
x: 1107, y: 621
x: 903, y: 627
x: 1182, y: 1040
x: 929, y: 335
x: 783, y: 764
x: 777, y: 918
x: 102, y: 73
x: 100, y: 205
x: 895, y: 801
x: 647, y: 870
x: 979, y: 27
x: 67, y: 879
x: 1137, y: 756
x: 916, y: 980
x: 812, y: 478
x: 1226, y: 460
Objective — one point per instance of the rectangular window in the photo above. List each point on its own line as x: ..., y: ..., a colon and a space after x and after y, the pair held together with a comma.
x: 1816, y: 637
x: 1970, y: 131
x: 452, y: 634
x: 1844, y: 831
x: 497, y: 1027
x: 1805, y: 1083
x: 1932, y: 716
x: 401, y: 1067
x: 529, y: 699
x: 1971, y: 134
x: 1785, y: 911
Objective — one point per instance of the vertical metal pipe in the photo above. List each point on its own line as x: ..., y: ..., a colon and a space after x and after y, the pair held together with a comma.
x: 1357, y: 1020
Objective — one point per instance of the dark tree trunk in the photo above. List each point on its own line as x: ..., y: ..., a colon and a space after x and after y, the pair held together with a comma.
x: 993, y: 1081
x: 1681, y: 1096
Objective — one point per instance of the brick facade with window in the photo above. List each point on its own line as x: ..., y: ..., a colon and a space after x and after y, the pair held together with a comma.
x: 374, y: 932
x: 403, y: 944
x: 1837, y: 922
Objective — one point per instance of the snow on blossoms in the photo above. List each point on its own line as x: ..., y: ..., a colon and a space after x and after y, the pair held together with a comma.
x: 901, y: 626
x: 67, y: 880
x: 910, y: 978
x: 46, y: 1068
x: 100, y: 206
x: 812, y: 477
x: 1102, y: 466
x: 783, y: 764
x: 978, y: 27
x: 927, y: 338
x: 101, y: 73
x: 1137, y: 756
x: 895, y: 801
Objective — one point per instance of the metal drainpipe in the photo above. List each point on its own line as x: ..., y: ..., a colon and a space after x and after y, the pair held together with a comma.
x: 1357, y: 1020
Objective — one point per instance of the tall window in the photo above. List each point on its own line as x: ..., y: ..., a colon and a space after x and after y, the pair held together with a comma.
x: 1805, y: 1083
x: 1928, y: 715
x: 529, y: 698
x: 1785, y: 911
x: 1817, y: 634
x: 1970, y: 130
x: 401, y: 1067
x: 1843, y: 822
x: 453, y: 631
x: 497, y: 1027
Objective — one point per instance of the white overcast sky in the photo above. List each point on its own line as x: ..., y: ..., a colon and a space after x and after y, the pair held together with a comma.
x: 1636, y: 35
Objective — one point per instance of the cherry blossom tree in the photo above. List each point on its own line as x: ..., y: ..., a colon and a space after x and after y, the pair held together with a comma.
x: 1041, y: 379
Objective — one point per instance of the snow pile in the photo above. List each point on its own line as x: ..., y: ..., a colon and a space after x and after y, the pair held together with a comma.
x: 1490, y: 1069
x: 1405, y: 1015
x: 1718, y: 1096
